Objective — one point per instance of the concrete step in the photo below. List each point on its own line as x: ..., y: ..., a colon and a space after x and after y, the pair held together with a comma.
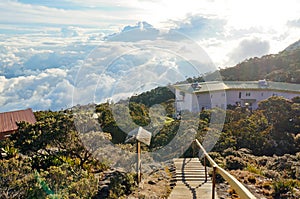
x: 190, y: 180
x: 190, y: 174
x: 190, y: 170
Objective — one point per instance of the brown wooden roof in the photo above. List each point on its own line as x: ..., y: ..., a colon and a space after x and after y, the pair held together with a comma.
x: 8, y: 120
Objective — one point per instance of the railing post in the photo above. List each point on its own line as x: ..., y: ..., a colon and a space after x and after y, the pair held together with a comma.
x: 205, y: 169
x: 194, y: 148
x: 241, y: 190
x: 214, y: 181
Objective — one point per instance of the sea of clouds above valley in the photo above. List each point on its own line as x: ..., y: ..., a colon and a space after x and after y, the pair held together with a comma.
x: 56, y: 68
x: 58, y: 71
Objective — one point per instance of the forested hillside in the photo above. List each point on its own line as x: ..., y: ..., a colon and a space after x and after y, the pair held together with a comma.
x: 281, y: 67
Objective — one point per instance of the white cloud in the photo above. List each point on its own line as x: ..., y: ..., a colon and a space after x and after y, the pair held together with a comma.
x: 141, y: 31
x: 71, y: 31
x: 47, y: 90
x: 249, y: 48
x: 17, y: 13
x: 200, y: 27
x: 245, y: 14
x: 130, y: 65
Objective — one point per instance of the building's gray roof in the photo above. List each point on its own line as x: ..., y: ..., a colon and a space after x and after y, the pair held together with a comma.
x: 238, y: 85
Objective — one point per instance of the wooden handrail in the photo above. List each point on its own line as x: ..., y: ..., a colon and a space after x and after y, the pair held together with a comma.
x: 239, y: 188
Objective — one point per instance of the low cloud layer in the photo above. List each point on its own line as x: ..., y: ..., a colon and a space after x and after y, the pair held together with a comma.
x: 249, y: 48
x: 46, y: 73
x: 294, y: 23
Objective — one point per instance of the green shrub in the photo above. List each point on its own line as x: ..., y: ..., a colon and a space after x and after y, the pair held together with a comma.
x: 234, y: 163
x: 253, y: 169
x: 230, y: 152
x: 271, y: 174
x: 267, y: 185
x: 252, y: 179
x: 121, y: 184
x: 283, y: 188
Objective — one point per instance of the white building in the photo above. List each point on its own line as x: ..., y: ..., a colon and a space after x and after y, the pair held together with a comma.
x: 206, y: 95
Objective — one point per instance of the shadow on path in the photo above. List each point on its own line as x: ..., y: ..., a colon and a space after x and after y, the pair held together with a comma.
x: 184, y: 180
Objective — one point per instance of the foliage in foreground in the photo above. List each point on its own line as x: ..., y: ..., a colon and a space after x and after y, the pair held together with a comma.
x: 272, y: 129
x: 48, y: 158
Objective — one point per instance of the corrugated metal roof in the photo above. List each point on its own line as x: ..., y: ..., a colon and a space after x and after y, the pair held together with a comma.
x: 8, y: 120
x: 244, y: 85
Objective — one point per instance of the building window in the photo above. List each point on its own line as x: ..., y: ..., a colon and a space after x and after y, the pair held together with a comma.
x: 240, y: 94
x: 248, y: 94
x: 223, y: 94
x: 262, y: 94
x: 182, y: 94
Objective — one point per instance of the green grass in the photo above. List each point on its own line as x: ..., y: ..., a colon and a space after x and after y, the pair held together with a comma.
x: 169, y: 120
x: 253, y: 169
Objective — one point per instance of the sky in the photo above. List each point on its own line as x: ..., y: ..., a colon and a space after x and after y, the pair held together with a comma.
x: 59, y: 53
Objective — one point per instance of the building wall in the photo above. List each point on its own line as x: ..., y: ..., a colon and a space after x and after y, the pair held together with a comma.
x: 183, y: 102
x: 221, y: 99
x: 218, y: 99
x: 204, y: 101
x: 196, y: 103
x: 211, y: 99
x: 242, y: 96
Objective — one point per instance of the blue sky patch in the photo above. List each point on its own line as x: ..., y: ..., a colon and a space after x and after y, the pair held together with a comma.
x: 59, y: 4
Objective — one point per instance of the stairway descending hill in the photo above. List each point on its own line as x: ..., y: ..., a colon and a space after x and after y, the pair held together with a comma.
x: 190, y: 180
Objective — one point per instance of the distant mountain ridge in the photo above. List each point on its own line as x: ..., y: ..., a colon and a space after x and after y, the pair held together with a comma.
x: 281, y: 67
x: 293, y: 46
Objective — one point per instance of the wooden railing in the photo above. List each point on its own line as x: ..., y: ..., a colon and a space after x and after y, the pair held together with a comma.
x: 239, y: 188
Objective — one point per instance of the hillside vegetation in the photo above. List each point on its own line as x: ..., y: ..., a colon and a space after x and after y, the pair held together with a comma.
x: 48, y: 159
x: 281, y: 67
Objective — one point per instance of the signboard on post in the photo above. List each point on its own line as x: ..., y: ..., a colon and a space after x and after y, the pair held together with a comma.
x: 139, y: 135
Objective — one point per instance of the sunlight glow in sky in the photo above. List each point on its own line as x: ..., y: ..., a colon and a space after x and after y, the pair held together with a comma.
x: 265, y: 20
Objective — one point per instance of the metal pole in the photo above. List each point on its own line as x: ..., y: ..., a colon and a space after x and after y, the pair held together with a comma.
x: 205, y: 169
x: 214, y: 182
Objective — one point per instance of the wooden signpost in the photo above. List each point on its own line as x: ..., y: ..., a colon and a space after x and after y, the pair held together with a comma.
x: 140, y: 135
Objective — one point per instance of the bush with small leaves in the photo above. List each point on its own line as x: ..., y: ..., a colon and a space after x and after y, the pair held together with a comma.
x: 251, y: 179
x: 283, y: 188
x: 234, y: 163
x: 121, y: 184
